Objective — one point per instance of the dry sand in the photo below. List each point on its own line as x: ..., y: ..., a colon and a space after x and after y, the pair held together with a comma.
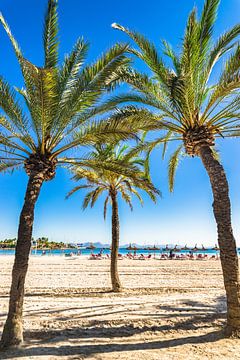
x: 169, y: 310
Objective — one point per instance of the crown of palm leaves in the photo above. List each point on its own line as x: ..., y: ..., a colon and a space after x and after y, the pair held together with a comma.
x: 186, y: 99
x: 62, y: 106
x: 114, y: 169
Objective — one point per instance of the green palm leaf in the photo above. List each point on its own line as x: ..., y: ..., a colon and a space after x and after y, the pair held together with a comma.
x: 172, y: 167
x: 110, y: 167
x: 50, y: 35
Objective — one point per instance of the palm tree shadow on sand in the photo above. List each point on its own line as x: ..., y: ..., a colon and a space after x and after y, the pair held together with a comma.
x: 121, y: 338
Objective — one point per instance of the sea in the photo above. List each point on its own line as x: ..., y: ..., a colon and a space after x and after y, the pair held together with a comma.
x: 123, y: 251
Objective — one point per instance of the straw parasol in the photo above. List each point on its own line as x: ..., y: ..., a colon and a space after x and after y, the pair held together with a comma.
x: 195, y: 248
x: 91, y: 247
x: 154, y: 249
x: 185, y: 248
x: 166, y: 248
x: 176, y: 248
x: 132, y: 248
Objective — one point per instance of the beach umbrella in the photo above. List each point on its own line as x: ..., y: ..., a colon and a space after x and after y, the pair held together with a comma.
x: 132, y: 248
x: 195, y: 248
x: 203, y: 248
x: 166, y: 248
x: 185, y: 248
x: 154, y: 249
x: 91, y: 247
x: 176, y: 248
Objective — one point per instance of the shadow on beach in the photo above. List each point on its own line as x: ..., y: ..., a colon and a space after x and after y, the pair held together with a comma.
x: 189, y: 325
x: 91, y: 349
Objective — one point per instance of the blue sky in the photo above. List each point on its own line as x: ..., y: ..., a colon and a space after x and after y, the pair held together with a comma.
x: 184, y: 217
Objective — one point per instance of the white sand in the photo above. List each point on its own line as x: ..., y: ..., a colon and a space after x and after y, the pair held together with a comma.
x: 169, y: 310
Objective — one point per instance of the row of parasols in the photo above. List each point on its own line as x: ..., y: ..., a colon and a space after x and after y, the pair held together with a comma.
x: 166, y: 248
x: 175, y: 248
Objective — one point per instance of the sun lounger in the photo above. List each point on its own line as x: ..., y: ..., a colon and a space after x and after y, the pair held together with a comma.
x: 95, y: 257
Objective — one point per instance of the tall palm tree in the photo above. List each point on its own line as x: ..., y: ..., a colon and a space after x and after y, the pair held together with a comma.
x: 196, y: 109
x: 59, y: 114
x: 122, y: 174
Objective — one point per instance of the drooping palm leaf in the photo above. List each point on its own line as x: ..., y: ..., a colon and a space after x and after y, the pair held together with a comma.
x: 63, y: 103
x: 111, y: 167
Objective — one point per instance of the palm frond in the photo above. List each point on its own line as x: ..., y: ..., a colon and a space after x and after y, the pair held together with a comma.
x: 148, y: 53
x: 77, y: 188
x: 12, y: 108
x: 165, y: 143
x: 42, y: 97
x: 126, y: 197
x: 50, y: 35
x: 172, y: 167
x: 96, y: 195
x: 87, y: 199
x: 109, y: 167
x: 101, y: 72
x: 224, y: 43
x: 168, y: 50
x: 15, y: 45
x: 231, y: 72
x: 71, y: 66
x: 11, y: 165
x: 207, y: 21
x: 105, y: 207
x: 135, y: 192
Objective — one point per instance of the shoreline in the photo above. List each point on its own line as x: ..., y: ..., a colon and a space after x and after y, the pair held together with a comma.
x: 124, y: 260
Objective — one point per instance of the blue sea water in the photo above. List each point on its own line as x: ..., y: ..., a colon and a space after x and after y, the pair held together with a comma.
x: 123, y: 251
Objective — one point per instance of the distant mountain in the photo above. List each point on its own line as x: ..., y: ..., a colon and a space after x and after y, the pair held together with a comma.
x: 96, y: 244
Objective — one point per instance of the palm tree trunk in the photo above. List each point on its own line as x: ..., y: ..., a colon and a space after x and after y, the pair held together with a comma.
x: 13, y: 328
x: 226, y: 241
x: 116, y: 285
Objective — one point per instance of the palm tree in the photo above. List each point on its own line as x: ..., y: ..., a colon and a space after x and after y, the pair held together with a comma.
x: 196, y: 109
x: 122, y: 174
x: 59, y: 114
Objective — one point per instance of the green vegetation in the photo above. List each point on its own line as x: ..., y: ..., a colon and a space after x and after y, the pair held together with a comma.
x: 40, y: 243
x: 8, y: 243
x: 194, y: 110
x: 63, y: 108
x: 124, y: 175
x: 55, y: 115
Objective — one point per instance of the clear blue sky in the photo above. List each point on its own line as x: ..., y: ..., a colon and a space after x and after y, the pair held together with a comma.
x: 182, y: 217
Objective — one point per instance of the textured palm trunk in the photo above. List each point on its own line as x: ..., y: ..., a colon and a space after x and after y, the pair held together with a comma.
x: 13, y: 329
x: 226, y: 241
x: 116, y: 285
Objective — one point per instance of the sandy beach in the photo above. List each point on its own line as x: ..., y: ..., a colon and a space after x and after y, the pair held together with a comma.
x: 168, y: 310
